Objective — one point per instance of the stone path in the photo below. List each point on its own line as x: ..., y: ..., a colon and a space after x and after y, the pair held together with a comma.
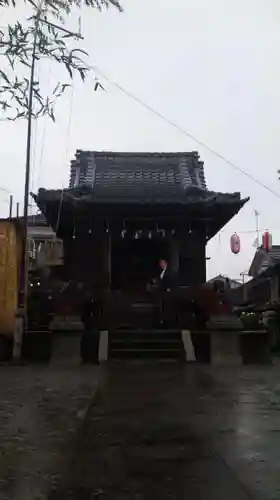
x: 174, y: 431
x: 156, y: 430
x: 41, y: 408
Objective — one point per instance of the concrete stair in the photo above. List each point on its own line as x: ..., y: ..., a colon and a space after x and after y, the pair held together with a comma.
x: 145, y: 344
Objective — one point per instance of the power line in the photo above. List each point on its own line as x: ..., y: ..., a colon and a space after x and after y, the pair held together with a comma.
x: 5, y: 190
x: 253, y: 231
x: 184, y: 132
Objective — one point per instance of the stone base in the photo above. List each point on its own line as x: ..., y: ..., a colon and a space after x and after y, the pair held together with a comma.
x: 103, y: 346
x: 188, y: 345
x: 255, y: 347
x: 224, y: 322
x: 225, y: 348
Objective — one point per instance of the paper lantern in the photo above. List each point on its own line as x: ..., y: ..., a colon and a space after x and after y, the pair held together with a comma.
x: 267, y: 241
x: 235, y: 243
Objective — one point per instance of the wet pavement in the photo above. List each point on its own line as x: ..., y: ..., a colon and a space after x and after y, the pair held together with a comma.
x: 41, y: 409
x: 169, y: 430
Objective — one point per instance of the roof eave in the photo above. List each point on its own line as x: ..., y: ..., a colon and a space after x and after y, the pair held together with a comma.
x: 229, y: 215
x: 47, y: 198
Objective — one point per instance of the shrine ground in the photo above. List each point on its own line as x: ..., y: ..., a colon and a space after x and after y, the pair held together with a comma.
x: 139, y: 430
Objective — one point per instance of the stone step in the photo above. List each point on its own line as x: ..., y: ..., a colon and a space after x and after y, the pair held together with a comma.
x: 146, y: 334
x: 146, y: 354
x: 151, y: 343
x: 145, y: 344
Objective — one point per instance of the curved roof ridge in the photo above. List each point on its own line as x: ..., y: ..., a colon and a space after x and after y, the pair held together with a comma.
x: 117, y: 173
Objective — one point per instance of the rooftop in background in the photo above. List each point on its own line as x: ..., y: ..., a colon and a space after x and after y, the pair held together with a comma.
x: 33, y: 220
x: 36, y: 220
x: 225, y: 279
x: 262, y: 260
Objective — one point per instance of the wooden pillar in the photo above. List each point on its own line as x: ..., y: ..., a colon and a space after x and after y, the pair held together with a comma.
x: 245, y: 292
x: 174, y: 260
x: 274, y: 288
x: 192, y: 261
x: 107, y: 261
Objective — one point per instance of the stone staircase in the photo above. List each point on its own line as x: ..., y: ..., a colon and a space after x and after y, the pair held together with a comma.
x: 146, y: 344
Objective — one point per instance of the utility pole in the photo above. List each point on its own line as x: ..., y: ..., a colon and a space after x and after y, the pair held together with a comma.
x: 245, y: 273
x: 25, y: 253
x: 257, y: 215
x: 11, y: 207
x: 4, y: 190
x: 244, y: 290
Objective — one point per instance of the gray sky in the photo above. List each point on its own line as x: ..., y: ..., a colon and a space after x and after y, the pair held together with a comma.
x: 212, y: 66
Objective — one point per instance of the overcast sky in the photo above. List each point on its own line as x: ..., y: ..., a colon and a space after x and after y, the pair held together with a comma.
x: 211, y: 66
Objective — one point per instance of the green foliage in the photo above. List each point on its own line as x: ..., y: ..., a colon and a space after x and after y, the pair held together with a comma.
x: 42, y: 35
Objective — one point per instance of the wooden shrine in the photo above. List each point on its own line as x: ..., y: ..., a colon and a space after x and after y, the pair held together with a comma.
x: 122, y: 213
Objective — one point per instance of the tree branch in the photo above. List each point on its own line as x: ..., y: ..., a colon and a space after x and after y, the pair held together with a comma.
x: 17, y: 45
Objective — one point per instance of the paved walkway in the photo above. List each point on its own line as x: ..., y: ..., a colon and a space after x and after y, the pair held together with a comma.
x: 41, y: 408
x: 183, y: 432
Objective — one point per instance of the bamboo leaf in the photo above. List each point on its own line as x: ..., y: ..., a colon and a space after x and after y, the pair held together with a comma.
x: 68, y: 67
x: 56, y: 88
x: 16, y: 44
x: 4, y: 76
x: 97, y: 86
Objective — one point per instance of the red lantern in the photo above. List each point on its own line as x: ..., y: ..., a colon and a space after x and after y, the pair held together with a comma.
x: 235, y: 243
x: 267, y: 241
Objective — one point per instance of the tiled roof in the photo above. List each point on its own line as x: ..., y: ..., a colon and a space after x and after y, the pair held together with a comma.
x: 138, y: 176
x: 141, y: 181
x: 192, y: 197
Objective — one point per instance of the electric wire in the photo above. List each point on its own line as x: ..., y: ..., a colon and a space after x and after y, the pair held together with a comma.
x: 66, y: 157
x: 43, y: 140
x: 185, y: 132
x: 175, y: 125
x: 34, y: 140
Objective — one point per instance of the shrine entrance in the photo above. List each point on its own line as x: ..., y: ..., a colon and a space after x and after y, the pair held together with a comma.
x: 135, y: 262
